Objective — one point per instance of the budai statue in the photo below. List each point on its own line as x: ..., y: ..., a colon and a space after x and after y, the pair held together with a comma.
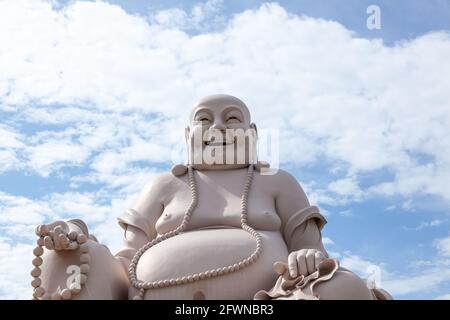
x: 222, y: 226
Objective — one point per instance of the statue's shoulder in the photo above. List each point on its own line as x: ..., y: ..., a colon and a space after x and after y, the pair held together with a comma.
x: 168, y: 179
x: 160, y: 184
x: 164, y: 178
x: 283, y: 183
x: 278, y: 176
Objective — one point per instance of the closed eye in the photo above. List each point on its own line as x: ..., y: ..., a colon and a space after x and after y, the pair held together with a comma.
x: 204, y: 120
x: 233, y: 120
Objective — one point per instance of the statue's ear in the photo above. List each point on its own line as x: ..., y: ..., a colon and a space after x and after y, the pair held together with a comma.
x: 253, y: 126
x: 187, y: 130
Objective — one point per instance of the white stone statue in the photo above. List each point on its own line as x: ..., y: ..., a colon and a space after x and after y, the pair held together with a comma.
x: 216, y: 228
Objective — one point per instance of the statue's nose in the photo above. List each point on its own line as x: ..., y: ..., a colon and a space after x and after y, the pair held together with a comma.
x: 218, y: 125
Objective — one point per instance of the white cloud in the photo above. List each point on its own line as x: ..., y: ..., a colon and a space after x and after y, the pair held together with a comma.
x: 171, y: 18
x: 47, y: 157
x: 319, y: 196
x: 15, y: 267
x: 10, y: 144
x: 8, y: 160
x: 20, y: 210
x: 433, y: 272
x: 203, y: 16
x: 346, y: 213
x: 355, y: 263
x: 9, y: 138
x: 443, y: 246
x: 426, y: 224
x: 327, y: 241
x: 421, y: 283
x: 347, y: 187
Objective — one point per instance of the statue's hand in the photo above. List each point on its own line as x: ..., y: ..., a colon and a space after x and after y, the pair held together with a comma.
x: 59, y: 236
x: 304, y: 262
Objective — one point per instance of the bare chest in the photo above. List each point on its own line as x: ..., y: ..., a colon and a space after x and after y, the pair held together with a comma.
x: 219, y: 204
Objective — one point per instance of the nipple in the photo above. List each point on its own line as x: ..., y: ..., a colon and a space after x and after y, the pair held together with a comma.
x: 199, y: 295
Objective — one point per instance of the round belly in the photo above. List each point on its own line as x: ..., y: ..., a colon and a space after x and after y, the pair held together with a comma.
x: 201, y: 250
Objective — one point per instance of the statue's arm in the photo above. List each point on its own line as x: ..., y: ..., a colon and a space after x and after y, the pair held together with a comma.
x: 307, y: 236
x: 301, y: 222
x: 139, y: 221
x: 301, y: 225
x: 134, y: 238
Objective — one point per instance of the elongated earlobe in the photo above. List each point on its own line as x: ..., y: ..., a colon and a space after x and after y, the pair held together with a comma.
x: 253, y: 126
x: 187, y: 130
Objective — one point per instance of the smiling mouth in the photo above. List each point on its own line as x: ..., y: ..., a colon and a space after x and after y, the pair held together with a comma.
x: 214, y: 143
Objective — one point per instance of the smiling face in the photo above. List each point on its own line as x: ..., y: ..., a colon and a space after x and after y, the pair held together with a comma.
x: 220, y: 134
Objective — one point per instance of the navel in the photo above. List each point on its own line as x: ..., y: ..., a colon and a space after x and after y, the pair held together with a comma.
x: 199, y: 295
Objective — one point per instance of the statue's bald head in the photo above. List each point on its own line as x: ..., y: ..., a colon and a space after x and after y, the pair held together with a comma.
x: 220, y: 127
x: 221, y: 101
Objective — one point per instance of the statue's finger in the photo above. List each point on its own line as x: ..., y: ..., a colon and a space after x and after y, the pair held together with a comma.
x: 292, y: 265
x: 41, y: 230
x: 319, y: 257
x: 48, y: 243
x: 63, y: 241
x: 310, y: 261
x: 57, y: 230
x: 73, y: 245
x: 280, y: 267
x: 73, y: 235
x: 301, y: 264
x: 62, y: 224
x: 55, y: 238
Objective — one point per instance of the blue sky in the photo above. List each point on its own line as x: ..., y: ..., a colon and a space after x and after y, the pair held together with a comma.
x: 94, y: 97
x: 402, y: 19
